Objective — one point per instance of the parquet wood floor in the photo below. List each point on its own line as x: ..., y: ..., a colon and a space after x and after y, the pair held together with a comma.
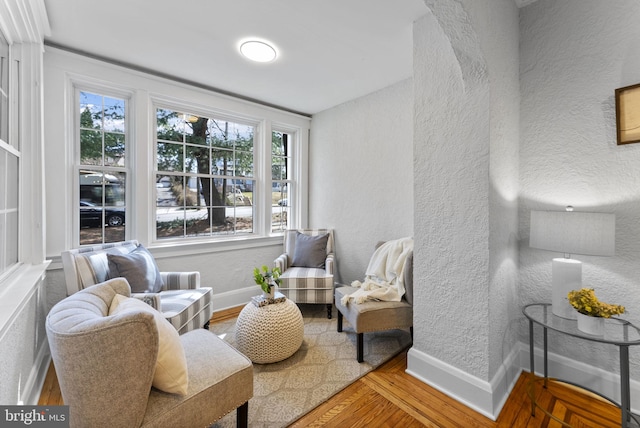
x: 389, y: 397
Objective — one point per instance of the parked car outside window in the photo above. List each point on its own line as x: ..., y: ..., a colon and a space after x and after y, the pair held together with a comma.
x: 91, y: 215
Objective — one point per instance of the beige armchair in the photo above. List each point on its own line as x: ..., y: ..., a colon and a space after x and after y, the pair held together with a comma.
x: 181, y: 299
x: 374, y: 315
x: 106, y: 365
x: 308, y: 266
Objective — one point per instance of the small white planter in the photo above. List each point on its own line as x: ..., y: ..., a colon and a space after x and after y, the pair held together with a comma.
x: 591, y: 325
x: 271, y: 294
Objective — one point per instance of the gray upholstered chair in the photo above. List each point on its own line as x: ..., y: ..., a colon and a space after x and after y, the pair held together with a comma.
x: 106, y: 365
x: 307, y: 266
x: 372, y: 315
x: 182, y: 301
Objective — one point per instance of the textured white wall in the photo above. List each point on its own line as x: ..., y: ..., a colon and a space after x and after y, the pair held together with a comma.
x: 574, y: 54
x: 451, y: 170
x: 466, y: 185
x: 361, y: 179
x: 499, y: 45
x: 24, y: 350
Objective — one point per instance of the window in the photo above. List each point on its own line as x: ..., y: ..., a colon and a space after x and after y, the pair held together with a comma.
x: 281, y: 183
x: 9, y: 160
x: 204, y: 176
x: 102, y: 174
x: 167, y: 164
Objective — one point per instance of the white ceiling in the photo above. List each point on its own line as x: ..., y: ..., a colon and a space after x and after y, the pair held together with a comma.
x: 330, y: 51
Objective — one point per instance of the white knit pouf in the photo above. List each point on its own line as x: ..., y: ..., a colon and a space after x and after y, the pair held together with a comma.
x: 270, y: 333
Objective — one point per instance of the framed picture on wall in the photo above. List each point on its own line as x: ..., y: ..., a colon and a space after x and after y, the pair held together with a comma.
x: 628, y: 114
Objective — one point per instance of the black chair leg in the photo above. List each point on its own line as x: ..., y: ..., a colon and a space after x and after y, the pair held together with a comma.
x: 206, y: 325
x: 360, y: 346
x: 329, y: 309
x: 411, y: 331
x: 339, y: 322
x: 242, y: 416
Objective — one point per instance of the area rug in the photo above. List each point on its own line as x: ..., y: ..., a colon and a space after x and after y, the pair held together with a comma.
x: 325, y: 364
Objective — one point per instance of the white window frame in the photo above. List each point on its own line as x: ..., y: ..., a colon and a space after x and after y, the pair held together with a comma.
x: 294, y: 175
x: 109, y: 91
x: 12, y: 147
x: 262, y: 227
x: 147, y: 91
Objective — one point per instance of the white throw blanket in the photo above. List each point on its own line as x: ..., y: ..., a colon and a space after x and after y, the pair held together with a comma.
x: 384, y: 278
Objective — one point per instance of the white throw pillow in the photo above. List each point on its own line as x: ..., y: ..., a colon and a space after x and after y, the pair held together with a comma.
x: 171, y: 367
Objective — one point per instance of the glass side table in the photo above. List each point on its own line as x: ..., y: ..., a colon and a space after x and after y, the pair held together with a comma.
x: 617, y: 332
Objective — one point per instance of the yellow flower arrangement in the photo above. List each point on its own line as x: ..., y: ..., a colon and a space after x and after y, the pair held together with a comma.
x: 586, y: 302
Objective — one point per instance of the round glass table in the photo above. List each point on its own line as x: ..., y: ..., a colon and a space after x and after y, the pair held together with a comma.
x: 617, y: 332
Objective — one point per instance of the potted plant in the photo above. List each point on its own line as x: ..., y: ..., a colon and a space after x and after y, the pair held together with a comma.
x: 267, y: 280
x: 591, y: 311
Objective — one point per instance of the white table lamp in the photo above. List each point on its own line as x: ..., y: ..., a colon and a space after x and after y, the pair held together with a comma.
x: 571, y: 232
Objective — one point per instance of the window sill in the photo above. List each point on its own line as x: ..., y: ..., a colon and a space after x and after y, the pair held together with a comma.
x: 175, y: 248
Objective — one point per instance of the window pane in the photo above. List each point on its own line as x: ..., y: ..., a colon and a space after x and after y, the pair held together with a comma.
x: 114, y: 115
x: 12, y: 237
x: 3, y: 239
x: 168, y: 190
x: 197, y: 159
x: 90, y: 147
x: 169, y: 125
x: 244, y: 164
x: 12, y: 182
x: 277, y: 144
x: 196, y: 131
x: 4, y: 90
x: 278, y: 168
x: 170, y: 157
x: 281, y: 176
x: 90, y: 111
x: 223, y: 162
x: 102, y: 130
x: 102, y: 207
x: 193, y: 193
x: 114, y: 149
x: 4, y: 184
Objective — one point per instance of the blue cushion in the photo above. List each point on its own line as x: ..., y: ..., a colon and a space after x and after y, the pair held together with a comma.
x: 310, y: 251
x: 139, y: 268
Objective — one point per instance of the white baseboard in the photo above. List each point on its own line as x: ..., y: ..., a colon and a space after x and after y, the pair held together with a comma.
x: 487, y: 398
x: 234, y: 298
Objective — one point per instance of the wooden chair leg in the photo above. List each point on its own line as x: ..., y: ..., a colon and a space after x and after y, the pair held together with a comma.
x: 360, y: 346
x: 329, y: 309
x: 242, y: 416
x: 339, y: 322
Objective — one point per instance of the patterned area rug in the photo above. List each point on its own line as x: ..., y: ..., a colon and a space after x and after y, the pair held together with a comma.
x: 324, y: 364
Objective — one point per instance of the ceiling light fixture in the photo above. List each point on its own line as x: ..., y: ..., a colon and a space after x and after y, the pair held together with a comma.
x: 258, y: 51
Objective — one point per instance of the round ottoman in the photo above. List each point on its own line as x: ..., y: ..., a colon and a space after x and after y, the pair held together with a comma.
x: 270, y: 333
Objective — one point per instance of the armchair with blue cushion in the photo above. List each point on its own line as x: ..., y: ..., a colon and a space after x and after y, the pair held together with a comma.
x: 308, y: 266
x: 177, y: 295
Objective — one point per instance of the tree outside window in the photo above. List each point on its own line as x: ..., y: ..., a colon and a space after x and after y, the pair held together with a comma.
x: 204, y: 177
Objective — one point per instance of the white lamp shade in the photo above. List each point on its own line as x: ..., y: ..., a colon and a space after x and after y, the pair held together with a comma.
x: 569, y: 232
